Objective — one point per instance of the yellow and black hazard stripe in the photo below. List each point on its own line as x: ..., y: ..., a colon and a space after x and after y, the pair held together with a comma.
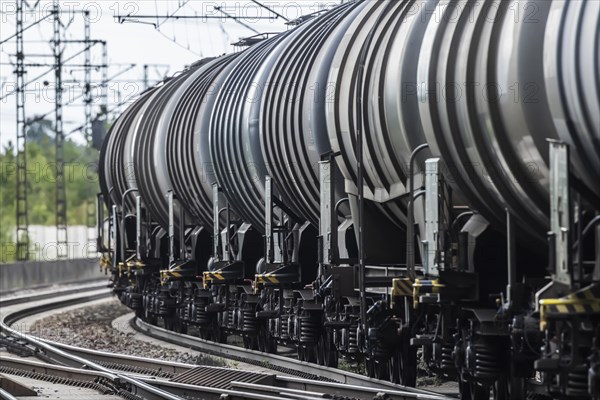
x: 584, y: 301
x: 402, y: 287
x: 105, y: 263
x: 120, y: 268
x: 423, y: 286
x: 166, y: 275
x: 267, y: 278
x: 209, y: 276
x: 135, y: 264
x: 589, y: 293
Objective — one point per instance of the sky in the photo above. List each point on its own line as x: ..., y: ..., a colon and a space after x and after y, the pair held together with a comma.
x: 166, y: 45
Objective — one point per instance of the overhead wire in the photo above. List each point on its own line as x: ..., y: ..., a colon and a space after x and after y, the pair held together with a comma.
x: 42, y: 116
x: 271, y: 10
x: 45, y: 73
x: 24, y: 29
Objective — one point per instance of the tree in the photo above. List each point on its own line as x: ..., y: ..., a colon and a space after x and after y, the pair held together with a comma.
x: 81, y: 181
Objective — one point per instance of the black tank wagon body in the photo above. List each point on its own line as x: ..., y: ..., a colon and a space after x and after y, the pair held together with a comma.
x: 382, y: 177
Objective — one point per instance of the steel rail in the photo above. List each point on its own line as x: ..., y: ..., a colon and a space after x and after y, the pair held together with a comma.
x: 271, y: 360
x: 11, y: 300
x: 75, y: 358
x: 62, y: 357
x: 172, y: 367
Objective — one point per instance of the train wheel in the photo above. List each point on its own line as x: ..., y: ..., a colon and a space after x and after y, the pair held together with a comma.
x: 394, y: 367
x: 517, y: 388
x: 465, y: 389
x: 501, y: 391
x: 250, y: 342
x: 180, y: 327
x: 407, y: 363
x: 474, y: 391
x: 311, y: 353
x: 505, y: 388
x: 326, y: 352
x: 149, y: 317
x: 332, y: 356
x: 205, y: 333
x: 370, y: 367
x: 321, y: 351
x: 300, y: 352
x: 382, y: 369
x: 266, y: 341
x: 509, y: 387
x: 169, y: 323
x: 216, y: 332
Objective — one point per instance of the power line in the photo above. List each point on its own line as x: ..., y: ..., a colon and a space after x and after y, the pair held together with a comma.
x: 23, y: 29
x: 102, y: 83
x: 122, y: 19
x: 238, y: 20
x: 44, y: 74
x: 270, y: 10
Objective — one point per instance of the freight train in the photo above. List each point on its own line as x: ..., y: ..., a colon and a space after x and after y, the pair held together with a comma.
x: 384, y: 182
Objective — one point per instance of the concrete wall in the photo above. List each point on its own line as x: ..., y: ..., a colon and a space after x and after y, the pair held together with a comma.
x: 39, y: 273
x: 81, y: 243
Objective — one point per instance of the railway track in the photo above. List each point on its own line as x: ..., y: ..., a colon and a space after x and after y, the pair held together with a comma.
x: 315, y: 374
x: 14, y: 309
x: 137, y: 377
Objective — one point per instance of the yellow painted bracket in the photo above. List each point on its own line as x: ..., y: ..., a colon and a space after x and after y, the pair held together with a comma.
x: 584, y: 301
x: 402, y: 287
x: 167, y: 274
x: 266, y: 278
x: 105, y: 263
x: 210, y: 276
x: 422, y: 286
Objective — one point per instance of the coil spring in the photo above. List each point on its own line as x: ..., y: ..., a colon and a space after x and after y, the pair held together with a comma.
x: 577, y: 383
x: 353, y: 338
x: 487, y: 364
x: 202, y: 317
x: 250, y: 323
x: 309, y: 329
x: 285, y: 326
x: 165, y: 303
x: 447, y: 360
x: 231, y: 318
x: 135, y: 301
x: 184, y: 312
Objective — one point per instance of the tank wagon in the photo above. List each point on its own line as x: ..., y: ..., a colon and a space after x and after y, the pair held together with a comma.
x: 385, y: 181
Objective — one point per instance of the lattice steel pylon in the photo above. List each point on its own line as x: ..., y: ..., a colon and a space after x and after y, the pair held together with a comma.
x: 61, y: 194
x: 87, y: 130
x: 22, y: 233
x: 87, y: 90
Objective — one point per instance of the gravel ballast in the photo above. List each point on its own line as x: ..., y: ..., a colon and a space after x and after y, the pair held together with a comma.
x: 93, y: 328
